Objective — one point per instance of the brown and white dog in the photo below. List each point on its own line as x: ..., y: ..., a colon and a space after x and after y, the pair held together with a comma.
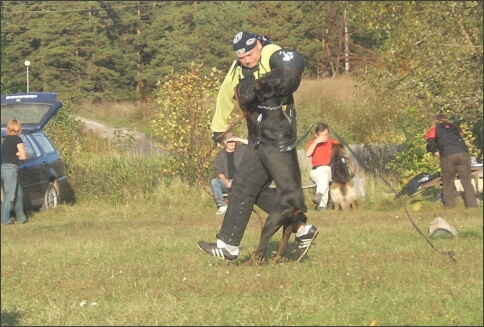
x: 342, y: 191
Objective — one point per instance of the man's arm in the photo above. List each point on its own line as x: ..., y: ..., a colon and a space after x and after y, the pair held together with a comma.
x: 220, y: 171
x: 310, y: 148
x: 225, y: 101
x: 219, y: 163
x: 238, y: 139
x: 431, y: 139
x: 21, y: 153
x: 223, y: 178
x: 287, y: 67
x: 241, y: 140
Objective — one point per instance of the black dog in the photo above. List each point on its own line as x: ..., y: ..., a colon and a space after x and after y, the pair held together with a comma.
x: 275, y: 132
x: 342, y: 190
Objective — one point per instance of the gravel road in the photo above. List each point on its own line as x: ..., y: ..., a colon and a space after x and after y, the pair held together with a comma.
x: 144, y: 145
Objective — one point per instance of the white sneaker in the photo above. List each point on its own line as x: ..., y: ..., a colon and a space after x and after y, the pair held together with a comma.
x: 221, y: 210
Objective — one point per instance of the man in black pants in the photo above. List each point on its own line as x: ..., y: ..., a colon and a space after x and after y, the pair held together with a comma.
x: 444, y: 140
x: 271, y: 153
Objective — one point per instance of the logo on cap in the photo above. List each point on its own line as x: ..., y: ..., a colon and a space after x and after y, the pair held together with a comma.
x: 243, y: 42
x: 237, y: 37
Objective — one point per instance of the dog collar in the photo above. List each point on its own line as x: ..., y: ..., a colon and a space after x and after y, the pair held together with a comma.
x: 269, y: 108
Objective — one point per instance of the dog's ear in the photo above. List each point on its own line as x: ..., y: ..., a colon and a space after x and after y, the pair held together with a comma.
x: 245, y: 94
x: 271, y: 81
x: 257, y: 86
x: 264, y: 87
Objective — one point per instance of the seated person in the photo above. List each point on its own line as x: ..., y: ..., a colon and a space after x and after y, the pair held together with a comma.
x: 319, y: 149
x: 226, y: 163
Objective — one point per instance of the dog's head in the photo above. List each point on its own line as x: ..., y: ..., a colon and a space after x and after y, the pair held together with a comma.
x: 341, y: 165
x: 250, y: 93
x: 266, y: 94
x: 338, y: 150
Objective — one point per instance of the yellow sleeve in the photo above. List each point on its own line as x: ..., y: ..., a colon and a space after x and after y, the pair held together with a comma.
x: 225, y: 100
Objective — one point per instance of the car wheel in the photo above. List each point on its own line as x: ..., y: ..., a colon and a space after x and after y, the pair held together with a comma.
x: 51, y: 197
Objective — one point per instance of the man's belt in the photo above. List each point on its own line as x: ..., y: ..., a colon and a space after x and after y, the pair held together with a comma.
x: 314, y: 167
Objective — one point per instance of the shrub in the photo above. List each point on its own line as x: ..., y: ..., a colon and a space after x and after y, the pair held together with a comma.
x: 185, y: 109
x: 66, y: 133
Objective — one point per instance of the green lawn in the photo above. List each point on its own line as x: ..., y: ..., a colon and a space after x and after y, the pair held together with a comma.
x: 138, y: 265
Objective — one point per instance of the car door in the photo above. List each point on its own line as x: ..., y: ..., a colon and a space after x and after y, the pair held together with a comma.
x: 31, y: 172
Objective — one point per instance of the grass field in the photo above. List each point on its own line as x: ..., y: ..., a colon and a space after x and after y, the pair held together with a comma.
x: 96, y: 264
x: 92, y: 264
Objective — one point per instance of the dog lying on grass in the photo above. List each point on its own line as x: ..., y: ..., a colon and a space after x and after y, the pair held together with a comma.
x: 342, y: 190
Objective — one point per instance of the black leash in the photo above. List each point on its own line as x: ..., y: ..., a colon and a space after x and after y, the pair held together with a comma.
x: 451, y: 254
x: 299, y: 140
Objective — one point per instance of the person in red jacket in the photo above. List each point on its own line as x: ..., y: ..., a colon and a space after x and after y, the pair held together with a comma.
x: 319, y: 150
x: 444, y: 140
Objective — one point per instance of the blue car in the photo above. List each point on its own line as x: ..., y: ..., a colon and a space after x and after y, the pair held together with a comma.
x: 42, y: 175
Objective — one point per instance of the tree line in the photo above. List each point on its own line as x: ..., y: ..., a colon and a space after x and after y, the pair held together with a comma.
x: 120, y: 50
x: 414, y: 54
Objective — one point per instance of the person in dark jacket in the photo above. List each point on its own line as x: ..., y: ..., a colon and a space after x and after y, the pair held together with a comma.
x: 226, y: 164
x: 444, y: 140
x: 261, y: 66
x: 13, y: 152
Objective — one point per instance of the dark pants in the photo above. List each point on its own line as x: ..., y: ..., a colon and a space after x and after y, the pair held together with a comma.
x: 452, y: 165
x: 261, y: 164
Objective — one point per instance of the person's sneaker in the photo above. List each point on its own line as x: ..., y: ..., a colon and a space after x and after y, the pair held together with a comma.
x: 212, y: 249
x: 304, y: 242
x: 317, y: 198
x: 221, y: 210
x: 322, y: 208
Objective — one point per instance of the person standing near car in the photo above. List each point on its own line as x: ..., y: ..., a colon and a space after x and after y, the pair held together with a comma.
x: 444, y: 140
x: 13, y: 152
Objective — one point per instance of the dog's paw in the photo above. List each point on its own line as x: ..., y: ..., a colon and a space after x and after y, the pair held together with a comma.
x: 280, y: 260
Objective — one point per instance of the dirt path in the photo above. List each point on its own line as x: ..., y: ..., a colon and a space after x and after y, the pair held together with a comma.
x: 144, y: 145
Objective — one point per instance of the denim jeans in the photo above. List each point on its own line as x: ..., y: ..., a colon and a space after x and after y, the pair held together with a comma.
x: 13, y: 193
x: 218, y: 189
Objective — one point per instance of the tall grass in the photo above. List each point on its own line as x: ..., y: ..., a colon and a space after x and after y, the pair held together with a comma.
x: 117, y: 178
x: 339, y: 102
x: 342, y: 104
x: 95, y: 264
x: 125, y: 114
